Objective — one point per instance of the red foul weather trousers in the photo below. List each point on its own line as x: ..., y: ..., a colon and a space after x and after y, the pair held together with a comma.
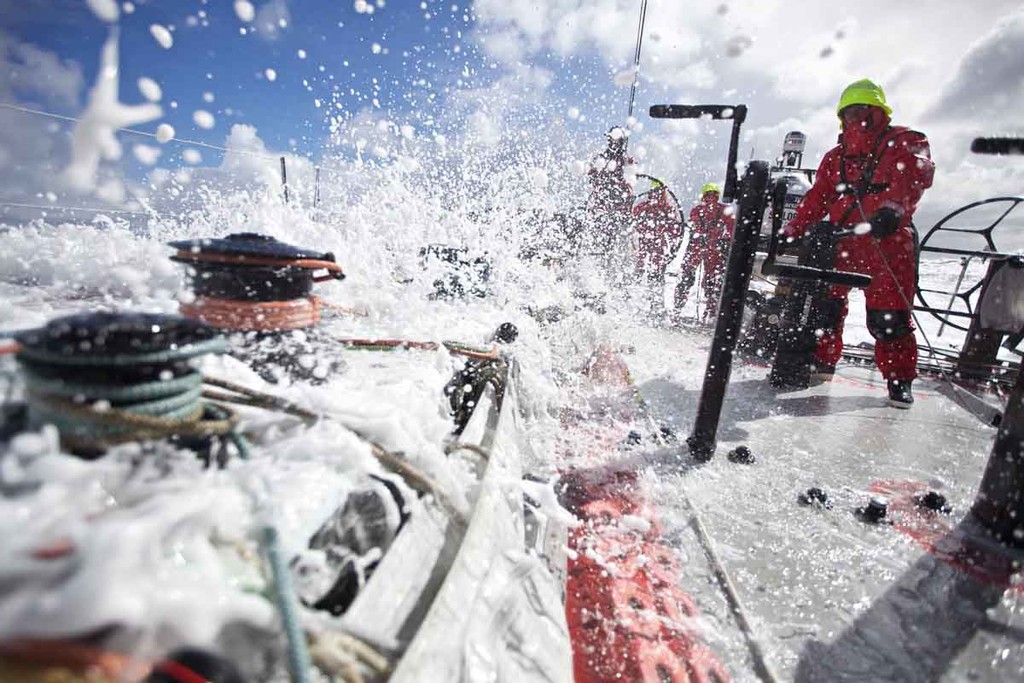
x: 892, y: 264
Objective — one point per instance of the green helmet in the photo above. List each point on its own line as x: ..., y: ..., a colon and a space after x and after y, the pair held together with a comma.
x: 710, y: 187
x: 864, y: 91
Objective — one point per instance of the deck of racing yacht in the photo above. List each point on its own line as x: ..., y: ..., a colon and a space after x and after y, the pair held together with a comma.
x: 828, y: 596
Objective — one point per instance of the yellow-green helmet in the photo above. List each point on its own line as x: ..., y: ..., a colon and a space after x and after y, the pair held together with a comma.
x: 710, y: 187
x: 864, y: 91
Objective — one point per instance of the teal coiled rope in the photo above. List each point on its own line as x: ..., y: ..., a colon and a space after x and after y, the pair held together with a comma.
x: 94, y: 415
x: 173, y: 401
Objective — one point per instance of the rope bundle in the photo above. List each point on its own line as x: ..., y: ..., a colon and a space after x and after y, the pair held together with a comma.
x: 249, y: 282
x: 104, y: 379
x: 258, y: 316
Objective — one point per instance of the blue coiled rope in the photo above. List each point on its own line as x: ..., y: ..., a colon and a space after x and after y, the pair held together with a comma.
x: 97, y: 414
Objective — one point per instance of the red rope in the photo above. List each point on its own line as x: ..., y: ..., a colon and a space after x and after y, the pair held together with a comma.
x: 179, y: 672
x: 75, y: 656
x: 333, y: 269
x: 490, y: 354
x: 254, y: 316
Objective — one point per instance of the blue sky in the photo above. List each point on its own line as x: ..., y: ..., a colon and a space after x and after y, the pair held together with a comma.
x: 421, y: 56
x: 515, y: 67
x: 401, y: 62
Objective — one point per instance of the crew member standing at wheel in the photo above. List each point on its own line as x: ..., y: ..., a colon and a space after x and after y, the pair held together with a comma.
x: 875, y: 176
x: 711, y: 226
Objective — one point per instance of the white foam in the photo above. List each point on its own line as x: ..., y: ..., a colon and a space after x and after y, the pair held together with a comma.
x: 162, y: 36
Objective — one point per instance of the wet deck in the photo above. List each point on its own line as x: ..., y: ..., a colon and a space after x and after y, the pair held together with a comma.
x: 828, y: 596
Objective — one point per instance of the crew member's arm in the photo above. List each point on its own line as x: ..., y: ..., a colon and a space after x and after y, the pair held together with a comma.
x: 814, y: 205
x: 697, y: 228
x: 728, y: 221
x: 909, y: 173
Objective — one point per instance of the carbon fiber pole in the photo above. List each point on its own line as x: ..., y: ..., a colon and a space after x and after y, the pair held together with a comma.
x: 736, y: 281
x: 284, y: 180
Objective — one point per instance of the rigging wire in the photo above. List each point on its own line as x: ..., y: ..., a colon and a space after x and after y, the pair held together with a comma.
x: 59, y: 207
x: 636, y: 55
x: 135, y: 131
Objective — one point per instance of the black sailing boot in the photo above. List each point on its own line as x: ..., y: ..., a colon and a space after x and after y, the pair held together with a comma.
x: 900, y: 395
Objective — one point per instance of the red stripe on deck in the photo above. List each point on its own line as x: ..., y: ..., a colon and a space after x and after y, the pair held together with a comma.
x: 628, y: 619
x: 934, y: 532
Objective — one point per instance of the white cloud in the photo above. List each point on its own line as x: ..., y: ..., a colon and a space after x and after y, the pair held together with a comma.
x: 950, y: 70
x: 989, y: 80
x: 505, y: 46
x: 28, y: 71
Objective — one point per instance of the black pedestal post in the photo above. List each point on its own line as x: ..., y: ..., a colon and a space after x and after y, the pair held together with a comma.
x: 736, y: 281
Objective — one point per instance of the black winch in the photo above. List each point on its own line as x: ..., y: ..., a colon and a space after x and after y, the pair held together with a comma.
x: 243, y: 271
x: 257, y: 285
x: 107, y: 378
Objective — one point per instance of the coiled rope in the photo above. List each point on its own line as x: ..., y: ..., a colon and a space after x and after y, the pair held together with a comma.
x: 254, y: 316
x: 92, y: 415
x: 257, y: 316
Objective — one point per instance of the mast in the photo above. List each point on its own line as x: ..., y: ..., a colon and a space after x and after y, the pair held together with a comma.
x: 636, y: 55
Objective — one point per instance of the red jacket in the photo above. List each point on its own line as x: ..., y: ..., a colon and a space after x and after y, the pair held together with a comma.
x: 901, y: 168
x: 710, y: 224
x: 657, y: 222
x: 610, y: 193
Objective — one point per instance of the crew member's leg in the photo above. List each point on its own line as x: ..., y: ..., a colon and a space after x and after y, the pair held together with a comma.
x: 714, y: 270
x: 687, y: 276
x: 889, y: 300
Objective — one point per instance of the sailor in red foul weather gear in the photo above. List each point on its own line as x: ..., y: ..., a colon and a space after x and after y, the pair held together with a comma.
x: 711, y: 226
x: 611, y: 202
x: 610, y: 191
x: 658, y: 229
x: 875, y: 176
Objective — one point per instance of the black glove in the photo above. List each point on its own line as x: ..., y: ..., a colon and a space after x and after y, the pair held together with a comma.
x: 885, y: 222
